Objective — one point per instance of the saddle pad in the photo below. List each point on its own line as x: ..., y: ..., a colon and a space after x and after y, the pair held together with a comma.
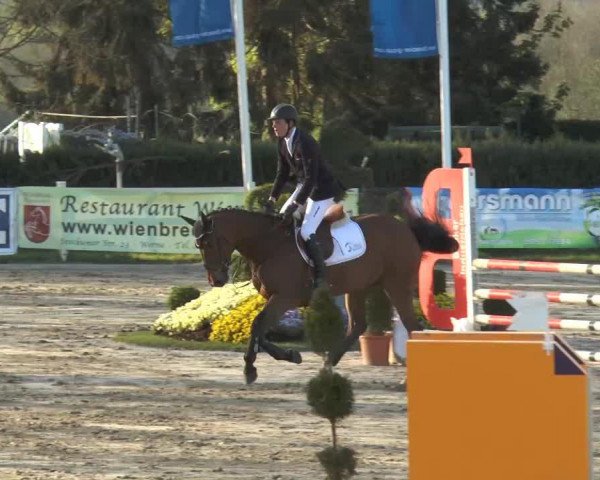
x: 348, y: 242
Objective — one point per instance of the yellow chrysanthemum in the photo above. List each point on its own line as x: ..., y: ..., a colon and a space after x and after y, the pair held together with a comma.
x: 211, y: 305
x: 235, y: 325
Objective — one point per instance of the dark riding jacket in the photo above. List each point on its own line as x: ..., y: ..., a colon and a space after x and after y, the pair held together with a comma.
x: 305, y: 166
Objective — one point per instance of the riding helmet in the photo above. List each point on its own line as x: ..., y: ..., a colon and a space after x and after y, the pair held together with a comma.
x: 285, y: 111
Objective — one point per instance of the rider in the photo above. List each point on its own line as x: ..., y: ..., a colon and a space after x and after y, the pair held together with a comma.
x: 299, y: 160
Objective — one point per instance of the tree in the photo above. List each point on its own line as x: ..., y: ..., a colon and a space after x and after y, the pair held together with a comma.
x: 495, y: 58
x: 98, y: 54
x: 313, y: 53
x: 573, y: 60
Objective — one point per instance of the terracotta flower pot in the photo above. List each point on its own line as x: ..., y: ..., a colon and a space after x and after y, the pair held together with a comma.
x: 375, y: 349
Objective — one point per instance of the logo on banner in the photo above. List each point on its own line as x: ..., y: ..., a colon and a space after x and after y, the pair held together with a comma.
x: 37, y: 222
x: 592, y: 216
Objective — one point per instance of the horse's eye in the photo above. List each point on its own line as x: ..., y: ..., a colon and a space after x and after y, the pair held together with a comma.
x: 200, y: 241
x: 203, y: 240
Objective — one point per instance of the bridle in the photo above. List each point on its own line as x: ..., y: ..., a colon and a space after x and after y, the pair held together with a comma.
x: 208, y: 236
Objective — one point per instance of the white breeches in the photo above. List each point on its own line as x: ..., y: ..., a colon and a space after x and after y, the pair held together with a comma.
x: 314, y: 211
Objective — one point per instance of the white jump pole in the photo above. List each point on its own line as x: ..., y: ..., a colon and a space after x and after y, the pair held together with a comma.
x: 237, y: 7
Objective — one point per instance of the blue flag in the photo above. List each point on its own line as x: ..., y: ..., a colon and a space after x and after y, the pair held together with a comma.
x: 200, y: 21
x: 404, y: 28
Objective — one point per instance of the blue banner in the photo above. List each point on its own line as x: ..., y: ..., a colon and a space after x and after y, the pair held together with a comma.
x: 404, y: 28
x: 200, y: 21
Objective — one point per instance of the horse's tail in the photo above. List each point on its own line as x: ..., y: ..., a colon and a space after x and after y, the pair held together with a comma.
x: 431, y: 235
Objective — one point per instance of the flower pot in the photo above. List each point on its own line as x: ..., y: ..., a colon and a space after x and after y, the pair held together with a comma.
x: 375, y: 349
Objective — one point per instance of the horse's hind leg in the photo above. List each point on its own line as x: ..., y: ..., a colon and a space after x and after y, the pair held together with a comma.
x: 273, y: 311
x: 355, y: 306
x: 401, y: 294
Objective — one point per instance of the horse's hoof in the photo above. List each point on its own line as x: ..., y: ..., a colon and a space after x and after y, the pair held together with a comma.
x: 251, y: 375
x: 333, y: 360
x: 295, y: 356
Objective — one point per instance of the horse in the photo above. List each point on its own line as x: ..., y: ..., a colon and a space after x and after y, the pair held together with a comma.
x: 284, y: 278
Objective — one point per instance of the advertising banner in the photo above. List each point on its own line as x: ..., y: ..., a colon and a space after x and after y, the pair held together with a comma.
x: 200, y: 21
x: 538, y: 218
x: 404, y: 28
x: 532, y: 217
x: 147, y: 220
x: 8, y: 221
x: 120, y: 220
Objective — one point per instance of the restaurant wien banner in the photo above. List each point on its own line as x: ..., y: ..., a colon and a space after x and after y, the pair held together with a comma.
x: 121, y: 220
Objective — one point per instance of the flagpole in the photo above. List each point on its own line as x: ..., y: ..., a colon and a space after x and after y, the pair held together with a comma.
x: 444, y: 54
x: 237, y: 8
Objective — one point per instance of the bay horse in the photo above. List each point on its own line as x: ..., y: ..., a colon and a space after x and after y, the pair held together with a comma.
x: 284, y: 279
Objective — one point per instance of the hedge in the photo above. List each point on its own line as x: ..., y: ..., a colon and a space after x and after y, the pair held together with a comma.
x: 557, y: 163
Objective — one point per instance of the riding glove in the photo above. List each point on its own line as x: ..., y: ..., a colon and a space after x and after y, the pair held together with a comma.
x: 288, y: 214
x: 269, y: 207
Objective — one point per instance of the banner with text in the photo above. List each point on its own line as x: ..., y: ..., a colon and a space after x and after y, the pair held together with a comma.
x: 532, y: 217
x: 8, y: 221
x: 200, y: 21
x: 404, y: 28
x: 121, y: 220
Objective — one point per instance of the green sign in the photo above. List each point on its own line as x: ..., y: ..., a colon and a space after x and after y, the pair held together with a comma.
x: 120, y: 220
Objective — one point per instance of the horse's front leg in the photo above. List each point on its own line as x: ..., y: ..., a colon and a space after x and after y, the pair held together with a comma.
x: 274, y: 309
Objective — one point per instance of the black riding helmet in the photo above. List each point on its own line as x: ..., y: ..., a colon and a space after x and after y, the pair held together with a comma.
x: 285, y: 111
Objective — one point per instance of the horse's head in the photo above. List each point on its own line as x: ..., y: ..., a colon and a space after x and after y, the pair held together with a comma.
x: 214, y: 247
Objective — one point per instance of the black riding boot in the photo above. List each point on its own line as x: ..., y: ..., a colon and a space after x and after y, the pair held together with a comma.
x: 316, y: 255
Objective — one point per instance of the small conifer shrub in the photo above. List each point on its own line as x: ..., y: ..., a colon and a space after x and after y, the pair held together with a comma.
x: 179, y: 296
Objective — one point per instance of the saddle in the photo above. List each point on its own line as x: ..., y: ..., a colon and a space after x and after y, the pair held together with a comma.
x: 340, y: 237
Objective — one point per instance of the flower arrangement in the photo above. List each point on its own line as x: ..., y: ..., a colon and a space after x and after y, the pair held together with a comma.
x: 235, y: 325
x: 201, y: 312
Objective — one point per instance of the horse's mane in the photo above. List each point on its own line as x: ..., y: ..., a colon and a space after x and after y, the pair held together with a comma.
x: 271, y: 216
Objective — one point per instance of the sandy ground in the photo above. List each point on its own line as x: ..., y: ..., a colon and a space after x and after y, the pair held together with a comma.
x: 74, y: 404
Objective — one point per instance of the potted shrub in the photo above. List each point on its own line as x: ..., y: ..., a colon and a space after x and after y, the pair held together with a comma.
x: 375, y: 343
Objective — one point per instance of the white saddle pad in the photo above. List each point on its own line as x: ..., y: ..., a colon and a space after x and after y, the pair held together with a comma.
x: 348, y: 242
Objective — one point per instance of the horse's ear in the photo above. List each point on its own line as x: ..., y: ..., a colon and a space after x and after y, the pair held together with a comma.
x: 188, y: 220
x: 203, y: 218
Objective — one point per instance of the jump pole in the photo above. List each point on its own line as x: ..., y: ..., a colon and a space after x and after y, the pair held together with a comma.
x: 460, y: 182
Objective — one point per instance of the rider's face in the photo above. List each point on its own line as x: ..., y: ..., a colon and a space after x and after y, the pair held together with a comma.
x: 280, y: 127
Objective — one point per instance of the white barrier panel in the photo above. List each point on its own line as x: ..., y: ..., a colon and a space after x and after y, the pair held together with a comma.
x: 8, y: 221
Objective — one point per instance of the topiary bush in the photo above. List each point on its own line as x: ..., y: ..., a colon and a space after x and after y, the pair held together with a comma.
x: 179, y: 296
x: 329, y: 394
x: 339, y: 462
x: 378, y: 311
x: 323, y: 323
